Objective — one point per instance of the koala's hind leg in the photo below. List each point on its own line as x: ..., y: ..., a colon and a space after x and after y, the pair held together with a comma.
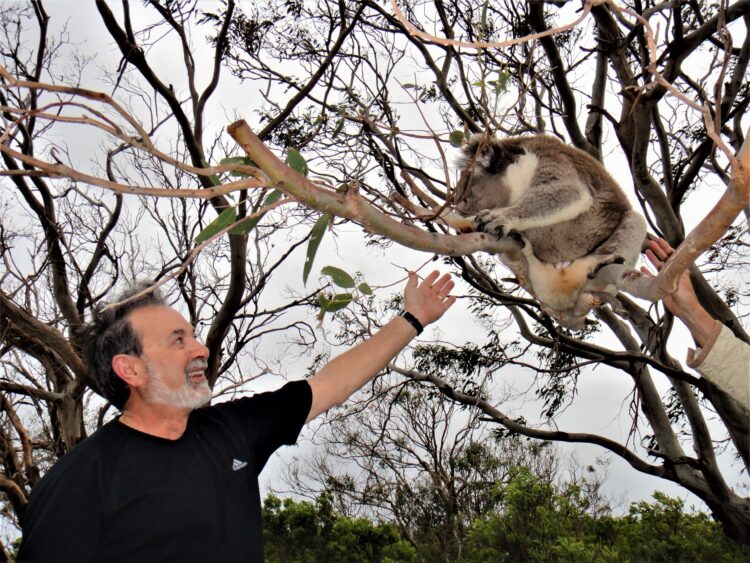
x: 624, y: 244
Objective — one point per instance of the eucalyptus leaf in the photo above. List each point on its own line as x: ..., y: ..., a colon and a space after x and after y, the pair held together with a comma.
x: 247, y: 226
x: 244, y: 160
x: 339, y: 301
x: 364, y: 289
x: 296, y: 161
x: 331, y: 305
x: 339, y: 127
x: 316, y: 235
x: 338, y: 276
x: 226, y: 218
x: 215, y: 180
x: 456, y: 138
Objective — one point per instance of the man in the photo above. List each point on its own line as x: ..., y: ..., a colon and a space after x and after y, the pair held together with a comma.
x: 168, y: 480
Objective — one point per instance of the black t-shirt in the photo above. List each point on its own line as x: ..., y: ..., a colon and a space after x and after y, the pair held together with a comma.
x: 122, y: 495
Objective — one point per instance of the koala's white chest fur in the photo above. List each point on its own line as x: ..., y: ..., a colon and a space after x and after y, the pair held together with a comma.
x: 518, y: 176
x: 517, y: 180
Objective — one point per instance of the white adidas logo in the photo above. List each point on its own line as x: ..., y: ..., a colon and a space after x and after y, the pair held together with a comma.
x: 237, y: 464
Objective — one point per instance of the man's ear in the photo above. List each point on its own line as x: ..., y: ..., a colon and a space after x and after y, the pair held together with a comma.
x: 128, y: 369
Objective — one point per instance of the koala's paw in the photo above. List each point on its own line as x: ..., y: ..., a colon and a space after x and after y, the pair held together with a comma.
x: 604, y: 260
x: 489, y: 221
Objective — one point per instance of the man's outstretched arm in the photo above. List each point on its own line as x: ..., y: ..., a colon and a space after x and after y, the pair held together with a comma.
x: 346, y: 373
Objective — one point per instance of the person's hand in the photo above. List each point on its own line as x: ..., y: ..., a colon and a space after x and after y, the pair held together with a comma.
x: 683, y: 303
x: 428, y: 300
x: 684, y: 299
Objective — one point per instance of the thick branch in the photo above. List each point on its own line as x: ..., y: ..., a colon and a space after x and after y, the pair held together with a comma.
x: 352, y: 206
x: 735, y: 199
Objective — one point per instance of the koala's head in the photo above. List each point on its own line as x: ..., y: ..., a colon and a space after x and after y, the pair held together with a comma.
x: 490, y: 155
x: 482, y: 161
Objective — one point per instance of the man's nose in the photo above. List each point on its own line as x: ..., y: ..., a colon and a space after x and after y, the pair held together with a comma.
x: 199, y: 350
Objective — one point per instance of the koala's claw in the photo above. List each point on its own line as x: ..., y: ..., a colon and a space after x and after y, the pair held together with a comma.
x: 496, y: 229
x: 486, y: 222
x: 479, y: 224
x: 518, y: 237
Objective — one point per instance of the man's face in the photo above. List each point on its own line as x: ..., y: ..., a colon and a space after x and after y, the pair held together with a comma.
x: 174, y: 360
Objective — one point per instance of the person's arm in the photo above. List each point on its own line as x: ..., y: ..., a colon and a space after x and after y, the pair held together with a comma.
x: 721, y: 357
x: 63, y: 519
x: 347, y: 373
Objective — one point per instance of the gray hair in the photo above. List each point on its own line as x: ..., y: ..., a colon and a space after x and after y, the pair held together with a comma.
x: 110, y: 333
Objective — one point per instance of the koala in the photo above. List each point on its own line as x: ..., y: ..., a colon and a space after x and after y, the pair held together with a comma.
x: 568, y: 215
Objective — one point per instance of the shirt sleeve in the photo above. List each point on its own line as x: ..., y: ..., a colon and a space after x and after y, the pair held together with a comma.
x: 276, y: 418
x: 62, y: 520
x: 725, y: 361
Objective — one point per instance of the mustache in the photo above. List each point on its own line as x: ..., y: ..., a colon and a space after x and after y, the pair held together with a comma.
x: 197, y: 364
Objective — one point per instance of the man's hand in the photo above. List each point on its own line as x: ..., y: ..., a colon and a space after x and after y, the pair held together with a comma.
x: 428, y: 300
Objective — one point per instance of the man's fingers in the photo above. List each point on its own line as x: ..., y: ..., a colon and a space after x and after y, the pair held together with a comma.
x: 446, y: 289
x: 661, y: 248
x: 442, y: 282
x: 430, y: 279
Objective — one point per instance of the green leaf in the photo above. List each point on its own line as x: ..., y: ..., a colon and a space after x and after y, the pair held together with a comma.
x: 501, y: 84
x: 331, y: 305
x: 316, y: 236
x: 296, y: 161
x: 364, y: 289
x: 339, y: 301
x: 339, y: 127
x: 338, y: 276
x: 244, y: 160
x: 247, y: 226
x: 479, y: 83
x: 215, y: 180
x: 226, y: 218
x: 456, y: 138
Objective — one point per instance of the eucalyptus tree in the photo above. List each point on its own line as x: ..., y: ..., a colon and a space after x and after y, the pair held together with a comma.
x: 367, y: 101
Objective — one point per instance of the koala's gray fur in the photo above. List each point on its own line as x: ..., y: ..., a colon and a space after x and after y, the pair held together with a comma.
x: 569, y: 214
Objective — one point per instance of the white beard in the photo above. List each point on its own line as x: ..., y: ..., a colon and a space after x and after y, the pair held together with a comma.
x: 190, y: 395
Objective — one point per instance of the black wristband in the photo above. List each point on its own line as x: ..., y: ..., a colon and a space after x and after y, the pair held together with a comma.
x: 413, y: 321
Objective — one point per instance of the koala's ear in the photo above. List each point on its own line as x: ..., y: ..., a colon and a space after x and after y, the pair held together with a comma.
x: 498, y: 158
x: 501, y: 155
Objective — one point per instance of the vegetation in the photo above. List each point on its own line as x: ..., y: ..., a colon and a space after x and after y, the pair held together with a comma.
x: 534, y: 522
